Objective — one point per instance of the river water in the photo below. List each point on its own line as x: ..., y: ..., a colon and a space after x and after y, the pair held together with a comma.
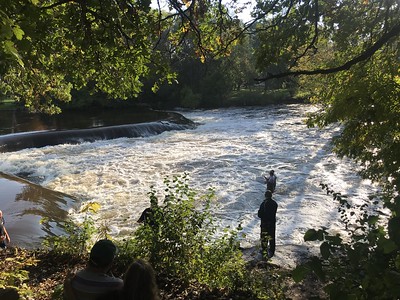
x: 230, y: 150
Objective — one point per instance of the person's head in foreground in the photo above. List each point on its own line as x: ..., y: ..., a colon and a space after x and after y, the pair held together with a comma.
x: 140, y: 282
x: 102, y: 255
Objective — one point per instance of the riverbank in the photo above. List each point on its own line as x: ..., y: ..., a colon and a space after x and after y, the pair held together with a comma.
x: 261, y: 97
x: 245, y: 97
x: 32, y: 211
x: 39, y: 275
x: 41, y: 272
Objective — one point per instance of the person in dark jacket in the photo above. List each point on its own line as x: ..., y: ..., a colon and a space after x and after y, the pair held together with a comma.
x: 146, y: 217
x: 267, y: 214
x: 271, y: 181
x: 93, y: 281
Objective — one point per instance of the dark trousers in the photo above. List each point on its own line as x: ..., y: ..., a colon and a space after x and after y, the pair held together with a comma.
x: 268, y: 239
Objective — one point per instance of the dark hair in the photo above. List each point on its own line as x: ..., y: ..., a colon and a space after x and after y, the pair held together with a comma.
x: 140, y: 282
x: 268, y: 194
x: 271, y: 172
x: 102, y: 253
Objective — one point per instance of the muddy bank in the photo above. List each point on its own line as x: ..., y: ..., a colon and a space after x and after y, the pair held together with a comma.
x: 25, y: 205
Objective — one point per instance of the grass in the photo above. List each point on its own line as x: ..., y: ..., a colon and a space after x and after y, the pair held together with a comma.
x: 259, y: 97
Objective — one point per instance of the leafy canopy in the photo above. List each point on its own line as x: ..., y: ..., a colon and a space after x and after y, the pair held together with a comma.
x: 347, y: 54
x: 49, y: 47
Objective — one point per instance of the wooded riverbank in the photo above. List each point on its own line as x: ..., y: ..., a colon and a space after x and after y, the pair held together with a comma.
x: 39, y: 275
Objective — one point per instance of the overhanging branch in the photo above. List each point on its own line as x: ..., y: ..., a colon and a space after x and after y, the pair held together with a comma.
x: 369, y: 52
x: 58, y: 4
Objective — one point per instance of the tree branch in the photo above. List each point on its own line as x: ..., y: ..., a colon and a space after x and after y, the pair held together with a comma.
x: 315, y: 36
x: 248, y: 25
x: 57, y: 4
x: 369, y: 52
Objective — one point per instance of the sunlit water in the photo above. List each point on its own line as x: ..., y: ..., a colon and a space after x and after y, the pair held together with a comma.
x: 229, y: 151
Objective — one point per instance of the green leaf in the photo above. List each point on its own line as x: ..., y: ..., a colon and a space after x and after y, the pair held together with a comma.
x: 155, y: 88
x: 388, y: 246
x: 92, y: 207
x: 372, y: 220
x: 300, y: 272
x: 43, y: 220
x: 313, y: 235
x: 325, y: 250
x: 310, y: 235
x: 10, y: 49
x: 316, y: 267
x: 334, y: 240
x: 18, y: 32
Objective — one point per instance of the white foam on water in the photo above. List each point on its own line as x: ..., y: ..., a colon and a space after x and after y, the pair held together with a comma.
x: 229, y: 151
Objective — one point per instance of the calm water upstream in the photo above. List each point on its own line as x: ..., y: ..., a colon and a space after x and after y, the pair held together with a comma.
x: 229, y: 151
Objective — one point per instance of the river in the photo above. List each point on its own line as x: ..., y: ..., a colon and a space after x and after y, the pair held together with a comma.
x: 229, y: 150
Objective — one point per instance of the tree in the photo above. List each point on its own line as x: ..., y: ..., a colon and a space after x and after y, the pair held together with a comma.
x: 69, y: 43
x: 49, y: 47
x: 240, y: 64
x: 353, y: 49
x: 348, y: 56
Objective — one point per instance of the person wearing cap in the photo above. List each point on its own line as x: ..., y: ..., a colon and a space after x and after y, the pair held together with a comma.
x: 93, y: 281
x: 267, y: 214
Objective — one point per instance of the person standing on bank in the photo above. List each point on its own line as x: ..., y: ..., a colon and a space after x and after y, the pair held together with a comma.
x: 271, y: 181
x: 2, y: 222
x: 4, y: 237
x: 267, y: 214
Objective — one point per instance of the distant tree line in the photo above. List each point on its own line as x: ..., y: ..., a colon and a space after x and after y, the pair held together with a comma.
x: 199, y: 84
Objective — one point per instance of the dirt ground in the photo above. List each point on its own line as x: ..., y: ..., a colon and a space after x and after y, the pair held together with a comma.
x: 49, y: 272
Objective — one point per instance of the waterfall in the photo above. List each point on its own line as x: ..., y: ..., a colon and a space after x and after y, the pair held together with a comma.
x: 37, y: 139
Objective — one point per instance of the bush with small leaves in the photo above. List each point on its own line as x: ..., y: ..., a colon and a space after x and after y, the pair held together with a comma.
x: 364, y: 265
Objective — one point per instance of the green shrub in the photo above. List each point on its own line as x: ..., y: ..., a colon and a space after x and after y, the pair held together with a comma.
x: 183, y: 243
x: 188, y: 99
x: 18, y: 276
x: 77, y: 236
x: 364, y: 265
x: 186, y: 245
